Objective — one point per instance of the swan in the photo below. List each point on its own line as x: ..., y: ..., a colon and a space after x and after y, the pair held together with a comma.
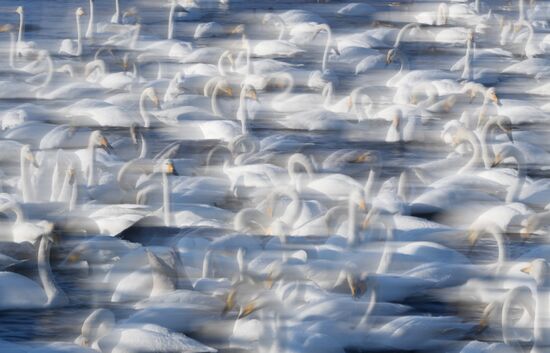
x: 48, y: 295
x: 25, y: 49
x: 70, y: 47
x: 318, y: 79
x: 538, y: 270
x: 101, y: 332
x: 356, y: 9
x: 96, y: 112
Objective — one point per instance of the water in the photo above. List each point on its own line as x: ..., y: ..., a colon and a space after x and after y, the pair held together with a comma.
x: 47, y: 23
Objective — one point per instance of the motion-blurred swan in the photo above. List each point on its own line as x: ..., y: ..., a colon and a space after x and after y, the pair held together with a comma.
x: 71, y: 47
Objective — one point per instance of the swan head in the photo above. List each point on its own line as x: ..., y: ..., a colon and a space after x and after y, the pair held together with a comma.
x: 529, y: 225
x: 491, y: 95
x: 98, y: 140
x: 6, y: 28
x: 392, y: 54
x: 19, y: 10
x: 505, y: 124
x: 250, y: 92
x: 27, y: 154
x: 506, y: 152
x: 80, y: 12
x: 167, y: 167
x: 151, y: 94
x: 538, y: 269
x: 98, y: 324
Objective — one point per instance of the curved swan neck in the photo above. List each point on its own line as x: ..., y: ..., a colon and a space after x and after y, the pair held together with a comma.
x: 401, y: 33
x: 54, y: 294
x: 474, y: 161
x: 145, y: 114
x: 294, y: 200
x: 289, y: 87
x: 523, y: 295
x: 514, y: 191
x: 295, y: 160
x: 486, y: 137
x: 143, y: 151
x: 214, y: 99
x: 90, y: 30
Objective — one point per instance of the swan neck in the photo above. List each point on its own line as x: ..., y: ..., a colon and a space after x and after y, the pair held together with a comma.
x: 242, y: 112
x: 514, y: 191
x: 352, y: 222
x: 170, y: 34
x: 78, y: 37
x: 467, y: 72
x: 54, y: 294
x: 166, y: 199
x: 21, y: 32
x: 13, y: 45
x: 206, y: 265
x: 25, y: 179
x: 91, y: 166
x: 214, y: 99
x: 143, y: 143
x: 327, y: 47
x: 474, y: 161
x: 145, y: 114
x: 486, y: 139
x: 541, y: 329
x: 90, y: 30
x: 401, y: 33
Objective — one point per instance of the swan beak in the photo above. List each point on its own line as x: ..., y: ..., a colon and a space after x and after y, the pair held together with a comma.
x: 252, y: 95
x: 228, y: 91
x: 6, y: 28
x: 527, y: 269
x: 357, y: 288
x: 269, y: 281
x: 350, y: 103
x: 482, y: 325
x: 473, y: 236
x: 73, y: 257
x: 247, y: 310
x: 510, y: 136
x: 238, y: 29
x: 497, y: 161
x: 31, y: 159
x: 229, y: 302
x: 362, y: 205
x: 170, y: 169
x: 103, y: 143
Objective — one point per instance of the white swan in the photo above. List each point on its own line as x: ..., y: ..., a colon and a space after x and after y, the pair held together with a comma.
x: 101, y: 332
x: 71, y: 47
x: 46, y: 295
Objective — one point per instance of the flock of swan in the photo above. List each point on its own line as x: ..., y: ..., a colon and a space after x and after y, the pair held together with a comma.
x: 250, y: 176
